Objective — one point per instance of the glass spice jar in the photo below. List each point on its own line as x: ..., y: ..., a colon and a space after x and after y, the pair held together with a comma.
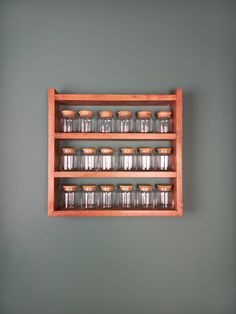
x: 124, y: 122
x: 164, y: 197
x: 164, y: 159
x: 69, y: 196
x: 88, y: 159
x: 106, y: 158
x: 107, y: 196
x: 144, y: 122
x: 68, y: 121
x: 145, y: 158
x: 145, y: 196
x: 126, y: 196
x: 89, y: 196
x: 128, y: 158
x: 106, y: 121
x: 68, y: 159
x: 164, y: 123
x: 86, y: 122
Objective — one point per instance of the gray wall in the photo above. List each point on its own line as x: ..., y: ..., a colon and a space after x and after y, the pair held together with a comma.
x: 118, y: 265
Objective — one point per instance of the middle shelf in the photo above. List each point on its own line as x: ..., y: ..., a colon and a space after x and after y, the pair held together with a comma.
x: 114, y: 174
x: 115, y: 136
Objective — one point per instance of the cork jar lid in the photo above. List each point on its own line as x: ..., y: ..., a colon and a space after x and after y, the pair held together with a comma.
x: 128, y: 150
x: 107, y: 188
x: 70, y: 188
x: 89, y: 188
x: 144, y: 115
x: 89, y: 150
x: 86, y: 113
x: 145, y: 188
x: 68, y: 113
x: 105, y: 114
x: 146, y: 150
x: 69, y: 151
x: 164, y: 114
x: 124, y: 114
x: 106, y: 150
x: 164, y: 150
x: 164, y: 187
x: 126, y: 187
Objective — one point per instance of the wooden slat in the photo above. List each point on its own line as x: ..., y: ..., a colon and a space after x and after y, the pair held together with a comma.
x: 179, y: 143
x: 115, y: 99
x: 51, y: 150
x: 114, y: 174
x: 116, y: 136
x: 114, y: 212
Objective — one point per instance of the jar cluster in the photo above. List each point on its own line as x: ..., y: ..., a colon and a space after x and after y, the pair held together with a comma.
x: 124, y: 121
x: 121, y: 196
x: 126, y: 159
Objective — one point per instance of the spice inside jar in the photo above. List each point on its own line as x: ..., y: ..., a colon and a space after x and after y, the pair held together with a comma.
x: 146, y: 158
x: 68, y: 159
x: 106, y: 121
x: 164, y: 122
x: 124, y: 122
x: 106, y: 158
x: 128, y: 158
x: 164, y: 158
x: 68, y: 121
x: 86, y: 121
x: 144, y: 122
x: 164, y: 197
x: 88, y: 158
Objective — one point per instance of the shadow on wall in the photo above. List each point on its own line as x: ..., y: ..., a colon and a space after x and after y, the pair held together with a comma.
x: 189, y: 152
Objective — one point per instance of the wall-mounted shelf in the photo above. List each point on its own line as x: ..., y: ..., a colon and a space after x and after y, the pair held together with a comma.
x: 56, y: 101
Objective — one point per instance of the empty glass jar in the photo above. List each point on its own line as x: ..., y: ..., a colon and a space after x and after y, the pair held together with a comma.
x: 86, y: 123
x: 145, y: 196
x: 164, y: 197
x: 106, y: 121
x: 106, y: 158
x: 164, y: 160
x: 106, y: 196
x: 68, y: 121
x: 128, y: 158
x: 69, y: 196
x: 124, y: 122
x: 146, y: 158
x: 164, y: 123
x: 89, y: 196
x: 88, y: 159
x: 126, y: 196
x: 144, y: 122
x: 68, y: 159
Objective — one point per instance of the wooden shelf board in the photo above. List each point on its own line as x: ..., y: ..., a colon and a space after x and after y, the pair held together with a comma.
x: 115, y: 212
x: 115, y: 174
x: 116, y: 136
x: 115, y: 99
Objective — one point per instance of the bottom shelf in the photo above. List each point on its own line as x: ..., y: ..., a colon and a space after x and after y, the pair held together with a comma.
x: 115, y: 212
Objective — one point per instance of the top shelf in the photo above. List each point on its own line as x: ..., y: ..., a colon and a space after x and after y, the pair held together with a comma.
x: 115, y: 99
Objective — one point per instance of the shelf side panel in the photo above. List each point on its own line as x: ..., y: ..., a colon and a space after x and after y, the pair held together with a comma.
x: 51, y: 150
x: 178, y: 113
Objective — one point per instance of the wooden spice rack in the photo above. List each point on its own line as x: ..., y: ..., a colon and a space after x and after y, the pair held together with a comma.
x: 56, y: 100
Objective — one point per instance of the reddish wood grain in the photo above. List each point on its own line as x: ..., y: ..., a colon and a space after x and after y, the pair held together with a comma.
x: 116, y: 136
x: 114, y: 212
x: 115, y: 174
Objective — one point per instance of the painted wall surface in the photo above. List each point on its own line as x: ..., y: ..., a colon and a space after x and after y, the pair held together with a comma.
x: 118, y: 265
